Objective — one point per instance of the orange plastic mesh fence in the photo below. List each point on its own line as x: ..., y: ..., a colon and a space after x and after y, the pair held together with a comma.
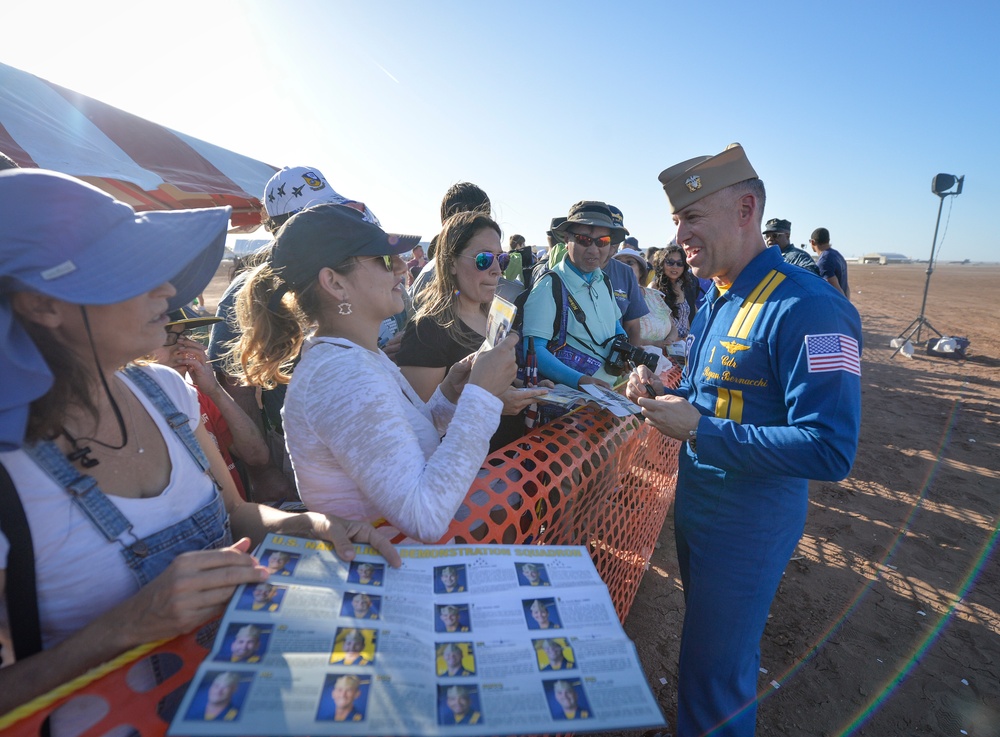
x: 587, y: 478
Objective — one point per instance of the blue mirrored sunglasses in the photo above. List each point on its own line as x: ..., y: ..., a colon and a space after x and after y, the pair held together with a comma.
x: 484, y: 260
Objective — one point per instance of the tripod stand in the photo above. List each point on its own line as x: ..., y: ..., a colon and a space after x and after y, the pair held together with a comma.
x: 940, y: 185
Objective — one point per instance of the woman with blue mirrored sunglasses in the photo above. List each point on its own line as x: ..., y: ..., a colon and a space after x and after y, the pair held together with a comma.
x: 452, y: 312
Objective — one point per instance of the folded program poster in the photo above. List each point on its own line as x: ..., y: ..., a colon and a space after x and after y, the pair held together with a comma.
x: 462, y: 640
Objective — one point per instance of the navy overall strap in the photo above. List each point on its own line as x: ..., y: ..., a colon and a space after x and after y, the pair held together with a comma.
x: 177, y: 420
x: 83, y: 488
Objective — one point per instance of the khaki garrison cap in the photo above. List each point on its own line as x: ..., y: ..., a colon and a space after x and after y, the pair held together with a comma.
x: 691, y: 180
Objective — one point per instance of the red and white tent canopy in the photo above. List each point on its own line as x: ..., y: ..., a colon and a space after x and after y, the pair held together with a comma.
x: 144, y: 164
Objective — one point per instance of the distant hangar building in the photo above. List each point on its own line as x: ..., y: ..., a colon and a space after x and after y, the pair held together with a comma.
x: 884, y: 258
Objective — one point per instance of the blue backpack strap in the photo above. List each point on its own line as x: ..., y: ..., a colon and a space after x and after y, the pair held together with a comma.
x: 177, y: 420
x: 560, y: 295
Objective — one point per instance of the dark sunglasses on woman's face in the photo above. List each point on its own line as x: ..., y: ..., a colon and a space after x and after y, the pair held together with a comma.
x: 386, y: 261
x: 671, y: 262
x: 484, y: 260
x: 585, y: 241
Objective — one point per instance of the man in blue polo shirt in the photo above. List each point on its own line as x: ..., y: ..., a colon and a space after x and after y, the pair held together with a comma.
x: 831, y: 264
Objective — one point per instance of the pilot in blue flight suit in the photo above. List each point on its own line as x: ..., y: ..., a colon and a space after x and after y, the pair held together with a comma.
x: 771, y: 397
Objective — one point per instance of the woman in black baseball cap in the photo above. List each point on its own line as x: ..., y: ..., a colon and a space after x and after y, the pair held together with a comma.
x: 363, y: 444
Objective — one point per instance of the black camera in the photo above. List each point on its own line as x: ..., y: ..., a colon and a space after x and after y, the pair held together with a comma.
x: 623, y: 354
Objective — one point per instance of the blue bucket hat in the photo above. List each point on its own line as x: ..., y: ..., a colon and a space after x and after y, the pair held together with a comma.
x: 66, y: 239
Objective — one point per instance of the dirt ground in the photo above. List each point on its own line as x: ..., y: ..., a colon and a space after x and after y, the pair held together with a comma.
x: 888, y: 620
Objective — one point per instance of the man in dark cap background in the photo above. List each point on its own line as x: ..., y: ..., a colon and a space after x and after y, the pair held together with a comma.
x: 778, y: 232
x: 771, y: 397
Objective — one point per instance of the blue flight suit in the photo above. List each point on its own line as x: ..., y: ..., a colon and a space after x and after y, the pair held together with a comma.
x: 768, y: 424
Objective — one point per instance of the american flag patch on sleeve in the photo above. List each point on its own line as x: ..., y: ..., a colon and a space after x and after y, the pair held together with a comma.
x: 833, y: 352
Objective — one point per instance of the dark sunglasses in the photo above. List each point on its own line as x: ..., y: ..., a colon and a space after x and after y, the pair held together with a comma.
x: 386, y: 261
x: 484, y: 260
x: 671, y: 262
x: 173, y: 337
x: 585, y: 241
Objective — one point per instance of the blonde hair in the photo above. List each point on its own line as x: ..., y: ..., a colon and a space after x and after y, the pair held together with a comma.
x: 274, y: 317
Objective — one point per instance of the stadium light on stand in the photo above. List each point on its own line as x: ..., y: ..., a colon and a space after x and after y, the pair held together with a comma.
x: 943, y: 185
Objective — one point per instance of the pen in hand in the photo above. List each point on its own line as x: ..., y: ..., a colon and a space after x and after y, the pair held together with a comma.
x: 647, y: 386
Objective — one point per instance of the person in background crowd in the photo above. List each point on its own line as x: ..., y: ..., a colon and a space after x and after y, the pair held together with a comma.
x: 778, y: 232
x: 460, y: 197
x: 522, y: 260
x: 589, y: 232
x: 415, y: 264
x: 556, y: 241
x: 630, y: 242
x: 228, y: 425
x: 70, y: 417
x: 656, y: 328
x: 362, y: 441
x: 630, y: 299
x: 771, y: 397
x: 451, y: 318
x: 831, y: 264
x: 677, y: 285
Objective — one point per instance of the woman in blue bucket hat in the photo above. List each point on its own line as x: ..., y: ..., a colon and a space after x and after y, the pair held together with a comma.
x: 110, y: 488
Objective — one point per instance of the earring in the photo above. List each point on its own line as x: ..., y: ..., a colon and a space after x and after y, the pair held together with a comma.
x: 344, y: 308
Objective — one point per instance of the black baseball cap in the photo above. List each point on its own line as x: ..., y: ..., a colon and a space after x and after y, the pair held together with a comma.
x: 329, y: 235
x: 777, y: 225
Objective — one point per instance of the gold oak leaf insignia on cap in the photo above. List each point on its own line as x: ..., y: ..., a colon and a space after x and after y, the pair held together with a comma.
x: 693, y: 183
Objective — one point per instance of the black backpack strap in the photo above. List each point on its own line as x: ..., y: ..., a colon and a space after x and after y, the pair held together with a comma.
x: 20, y: 592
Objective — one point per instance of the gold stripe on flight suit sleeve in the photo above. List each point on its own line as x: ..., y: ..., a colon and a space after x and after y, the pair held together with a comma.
x: 744, y: 320
x: 729, y: 404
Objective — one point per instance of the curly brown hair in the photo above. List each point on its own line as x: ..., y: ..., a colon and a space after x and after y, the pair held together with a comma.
x: 663, y: 283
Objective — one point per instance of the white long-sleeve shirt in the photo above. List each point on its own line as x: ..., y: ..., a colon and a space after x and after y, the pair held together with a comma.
x: 364, y: 446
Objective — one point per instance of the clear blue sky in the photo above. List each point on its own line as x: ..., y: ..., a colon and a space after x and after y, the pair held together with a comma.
x: 846, y: 109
